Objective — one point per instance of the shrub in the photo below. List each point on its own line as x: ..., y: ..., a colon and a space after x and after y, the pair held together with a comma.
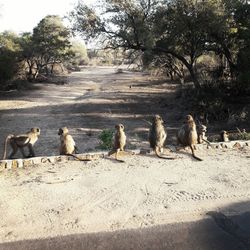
x: 106, y: 139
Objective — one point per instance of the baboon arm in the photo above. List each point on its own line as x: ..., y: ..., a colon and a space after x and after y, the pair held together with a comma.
x: 31, y: 150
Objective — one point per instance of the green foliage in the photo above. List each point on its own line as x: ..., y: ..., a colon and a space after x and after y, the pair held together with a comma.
x: 8, y: 65
x: 36, y: 52
x: 243, y: 20
x: 79, y: 55
x: 106, y: 139
x: 9, y: 55
x: 182, y: 29
x: 240, y: 136
x: 51, y: 43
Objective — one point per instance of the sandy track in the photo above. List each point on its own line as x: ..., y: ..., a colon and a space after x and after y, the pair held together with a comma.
x: 102, y: 196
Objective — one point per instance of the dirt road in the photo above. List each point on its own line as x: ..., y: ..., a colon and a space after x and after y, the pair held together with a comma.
x: 144, y: 203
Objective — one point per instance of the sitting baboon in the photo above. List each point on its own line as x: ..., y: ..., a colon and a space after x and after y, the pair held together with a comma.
x: 224, y: 136
x: 21, y: 141
x: 119, y: 141
x: 67, y: 144
x: 202, y: 129
x: 157, y: 136
x: 187, y: 135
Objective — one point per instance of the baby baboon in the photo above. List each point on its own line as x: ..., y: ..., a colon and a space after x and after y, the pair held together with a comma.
x: 21, y: 141
x: 224, y: 136
x: 187, y: 135
x: 119, y: 141
x: 157, y: 136
x: 68, y: 145
x: 202, y: 129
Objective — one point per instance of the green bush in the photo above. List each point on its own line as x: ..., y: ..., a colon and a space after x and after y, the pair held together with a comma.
x: 106, y: 139
x: 8, y: 65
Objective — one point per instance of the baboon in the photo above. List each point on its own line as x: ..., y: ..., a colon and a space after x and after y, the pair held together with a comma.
x: 201, y: 131
x: 67, y: 144
x: 224, y: 136
x: 187, y: 135
x: 119, y: 141
x: 157, y: 136
x: 21, y: 141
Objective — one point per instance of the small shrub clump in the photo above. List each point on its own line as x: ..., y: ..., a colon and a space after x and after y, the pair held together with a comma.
x: 106, y: 139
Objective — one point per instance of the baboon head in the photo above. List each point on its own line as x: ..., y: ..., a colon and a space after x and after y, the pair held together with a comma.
x: 119, y: 126
x: 157, y: 119
x: 224, y: 133
x: 63, y: 131
x: 37, y: 131
x: 189, y: 118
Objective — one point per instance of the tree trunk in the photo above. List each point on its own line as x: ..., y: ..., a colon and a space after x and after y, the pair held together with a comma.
x: 52, y: 69
x: 193, y: 76
x: 231, y: 64
x: 188, y: 65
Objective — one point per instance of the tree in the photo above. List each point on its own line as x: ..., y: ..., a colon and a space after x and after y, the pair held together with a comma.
x: 9, y: 55
x: 178, y: 28
x: 79, y: 53
x: 28, y: 54
x: 242, y: 16
x: 51, y: 43
x: 181, y: 28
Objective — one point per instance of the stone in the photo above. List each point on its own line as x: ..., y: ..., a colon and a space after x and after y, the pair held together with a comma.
x: 9, y: 164
x: 27, y: 163
x: 20, y: 163
x: 145, y: 151
x: 237, y: 145
x: 3, y: 165
x: 14, y: 164
x: 37, y: 160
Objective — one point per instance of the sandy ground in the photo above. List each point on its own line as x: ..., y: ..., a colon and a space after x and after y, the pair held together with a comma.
x: 144, y: 203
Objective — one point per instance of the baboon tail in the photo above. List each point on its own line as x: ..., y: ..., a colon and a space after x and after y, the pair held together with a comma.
x: 207, y: 142
x: 116, y: 157
x: 5, y: 145
x: 79, y: 159
x: 195, y: 157
x: 161, y: 156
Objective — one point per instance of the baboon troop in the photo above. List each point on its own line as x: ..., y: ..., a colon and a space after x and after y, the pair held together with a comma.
x: 188, y: 136
x: 20, y: 142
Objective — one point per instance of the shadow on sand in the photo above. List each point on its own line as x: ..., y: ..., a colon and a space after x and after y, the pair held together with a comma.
x: 211, y: 233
